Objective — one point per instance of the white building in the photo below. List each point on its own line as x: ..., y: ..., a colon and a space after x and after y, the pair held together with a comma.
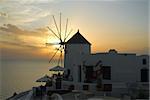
x: 110, y: 71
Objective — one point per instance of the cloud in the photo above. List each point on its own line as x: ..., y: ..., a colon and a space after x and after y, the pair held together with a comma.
x: 15, y: 36
x: 13, y: 29
x: 21, y: 44
x: 21, y: 13
x: 3, y: 14
x: 18, y: 43
x: 37, y: 36
x: 31, y: 1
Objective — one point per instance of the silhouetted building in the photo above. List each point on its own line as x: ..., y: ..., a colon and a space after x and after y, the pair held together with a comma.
x: 110, y: 71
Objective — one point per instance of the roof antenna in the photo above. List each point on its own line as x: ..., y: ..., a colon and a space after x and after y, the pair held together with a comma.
x: 78, y: 31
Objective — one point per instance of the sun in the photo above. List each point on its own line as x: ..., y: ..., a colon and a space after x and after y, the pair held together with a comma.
x: 54, y: 41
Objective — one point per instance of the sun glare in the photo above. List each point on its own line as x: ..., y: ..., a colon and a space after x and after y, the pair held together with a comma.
x: 53, y: 42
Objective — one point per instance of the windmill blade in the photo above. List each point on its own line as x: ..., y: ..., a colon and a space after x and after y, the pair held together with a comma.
x: 60, y: 28
x: 66, y: 29
x: 53, y: 55
x: 60, y: 58
x: 68, y: 35
x: 46, y: 40
x: 50, y: 44
x: 56, y: 27
x: 62, y: 37
x: 53, y: 32
x: 46, y: 43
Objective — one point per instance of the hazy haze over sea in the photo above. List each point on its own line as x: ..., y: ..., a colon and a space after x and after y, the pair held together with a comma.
x: 19, y: 76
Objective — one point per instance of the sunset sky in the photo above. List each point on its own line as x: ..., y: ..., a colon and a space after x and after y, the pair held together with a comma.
x: 106, y: 24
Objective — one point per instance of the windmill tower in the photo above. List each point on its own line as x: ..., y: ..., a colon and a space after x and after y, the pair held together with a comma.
x: 75, y: 49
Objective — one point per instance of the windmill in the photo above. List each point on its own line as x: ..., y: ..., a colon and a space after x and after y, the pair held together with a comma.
x: 61, y: 36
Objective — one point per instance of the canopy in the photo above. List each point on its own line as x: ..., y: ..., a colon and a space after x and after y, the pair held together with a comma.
x: 57, y: 68
x: 44, y: 79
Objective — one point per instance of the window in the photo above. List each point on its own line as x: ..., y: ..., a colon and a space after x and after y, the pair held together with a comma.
x: 144, y: 75
x: 71, y: 87
x: 107, y: 87
x: 144, y: 61
x: 106, y: 72
x: 85, y: 87
x: 79, y: 74
x: 89, y: 74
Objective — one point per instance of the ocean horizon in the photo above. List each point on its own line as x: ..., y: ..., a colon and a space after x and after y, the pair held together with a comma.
x: 21, y: 75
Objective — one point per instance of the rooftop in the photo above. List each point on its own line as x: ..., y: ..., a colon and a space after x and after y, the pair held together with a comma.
x: 78, y: 39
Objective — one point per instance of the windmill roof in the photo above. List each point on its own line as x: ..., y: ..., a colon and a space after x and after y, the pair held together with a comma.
x: 77, y: 39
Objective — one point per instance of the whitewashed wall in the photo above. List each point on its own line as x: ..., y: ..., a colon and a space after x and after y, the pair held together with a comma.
x: 74, y: 57
x: 125, y: 68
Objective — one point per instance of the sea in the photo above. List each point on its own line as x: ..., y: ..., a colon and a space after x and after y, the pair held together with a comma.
x: 21, y: 75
